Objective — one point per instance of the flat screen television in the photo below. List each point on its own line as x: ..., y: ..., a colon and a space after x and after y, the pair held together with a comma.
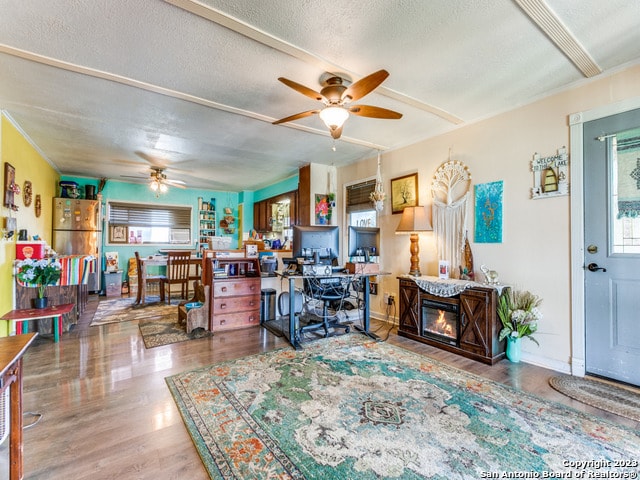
x: 317, y: 242
x: 364, y: 242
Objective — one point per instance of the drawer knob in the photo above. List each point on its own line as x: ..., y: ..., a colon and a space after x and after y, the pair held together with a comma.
x: 222, y: 322
x: 224, y: 289
x: 223, y: 305
x: 252, y: 318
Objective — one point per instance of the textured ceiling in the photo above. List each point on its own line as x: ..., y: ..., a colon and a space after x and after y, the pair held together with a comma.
x: 107, y: 88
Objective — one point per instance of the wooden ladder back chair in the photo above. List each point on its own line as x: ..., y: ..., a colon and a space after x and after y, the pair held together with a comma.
x: 144, y: 279
x: 178, y: 272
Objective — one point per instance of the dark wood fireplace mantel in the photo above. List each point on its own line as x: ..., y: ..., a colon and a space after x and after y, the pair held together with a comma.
x: 478, y: 323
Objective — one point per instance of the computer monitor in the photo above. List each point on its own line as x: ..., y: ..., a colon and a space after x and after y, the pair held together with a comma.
x: 316, y: 243
x: 364, y: 242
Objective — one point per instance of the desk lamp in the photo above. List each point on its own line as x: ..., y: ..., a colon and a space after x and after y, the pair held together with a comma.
x: 414, y: 220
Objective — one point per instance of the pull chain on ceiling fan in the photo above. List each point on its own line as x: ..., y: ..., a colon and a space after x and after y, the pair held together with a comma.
x: 337, y: 98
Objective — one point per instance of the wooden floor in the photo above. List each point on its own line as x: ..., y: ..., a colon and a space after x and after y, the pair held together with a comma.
x: 108, y: 414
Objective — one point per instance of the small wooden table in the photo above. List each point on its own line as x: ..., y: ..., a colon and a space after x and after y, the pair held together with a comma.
x: 22, y: 315
x: 11, y: 351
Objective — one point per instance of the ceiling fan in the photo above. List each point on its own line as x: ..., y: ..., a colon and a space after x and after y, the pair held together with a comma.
x: 159, y: 182
x: 337, y: 98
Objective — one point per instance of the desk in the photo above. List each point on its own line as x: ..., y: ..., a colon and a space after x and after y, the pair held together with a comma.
x: 11, y: 351
x: 25, y: 314
x: 293, y: 333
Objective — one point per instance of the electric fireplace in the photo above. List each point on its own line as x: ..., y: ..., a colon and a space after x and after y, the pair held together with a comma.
x: 465, y: 323
x: 441, y: 320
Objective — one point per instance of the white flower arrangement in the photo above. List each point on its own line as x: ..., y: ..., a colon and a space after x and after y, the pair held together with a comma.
x: 519, y: 313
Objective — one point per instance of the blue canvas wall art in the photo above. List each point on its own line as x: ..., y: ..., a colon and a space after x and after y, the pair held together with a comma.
x: 488, y: 218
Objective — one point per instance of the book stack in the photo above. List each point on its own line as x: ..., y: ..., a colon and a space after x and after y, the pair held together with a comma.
x: 220, y: 272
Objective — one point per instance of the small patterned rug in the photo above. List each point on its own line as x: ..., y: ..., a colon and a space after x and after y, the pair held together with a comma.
x: 125, y: 310
x: 166, y: 330
x: 600, y: 394
x: 348, y: 408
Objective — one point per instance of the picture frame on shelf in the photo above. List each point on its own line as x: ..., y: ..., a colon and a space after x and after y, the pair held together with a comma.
x: 404, y: 192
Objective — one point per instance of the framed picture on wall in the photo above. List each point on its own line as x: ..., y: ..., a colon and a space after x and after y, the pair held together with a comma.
x: 118, y: 234
x: 404, y: 192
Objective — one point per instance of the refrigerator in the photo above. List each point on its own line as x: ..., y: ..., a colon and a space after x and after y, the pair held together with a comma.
x: 77, y: 230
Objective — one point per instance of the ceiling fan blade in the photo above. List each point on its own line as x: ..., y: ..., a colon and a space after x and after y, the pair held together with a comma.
x: 374, y: 112
x: 155, y: 162
x: 302, y: 89
x: 175, y: 183
x: 363, y: 86
x: 335, y: 133
x: 308, y: 113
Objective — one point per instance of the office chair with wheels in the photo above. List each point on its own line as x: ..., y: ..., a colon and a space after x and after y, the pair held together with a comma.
x: 332, y: 292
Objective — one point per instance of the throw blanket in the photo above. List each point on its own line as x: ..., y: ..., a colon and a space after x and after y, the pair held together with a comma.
x: 444, y: 287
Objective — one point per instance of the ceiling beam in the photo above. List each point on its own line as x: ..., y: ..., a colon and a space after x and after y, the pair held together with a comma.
x: 559, y: 34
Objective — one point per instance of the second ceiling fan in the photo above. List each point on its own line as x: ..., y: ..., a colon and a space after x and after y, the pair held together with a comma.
x: 337, y: 99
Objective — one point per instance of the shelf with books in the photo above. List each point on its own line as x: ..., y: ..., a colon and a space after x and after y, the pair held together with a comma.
x: 206, y: 221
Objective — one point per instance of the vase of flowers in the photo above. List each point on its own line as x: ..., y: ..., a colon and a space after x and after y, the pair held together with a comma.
x: 519, y: 314
x: 39, y: 273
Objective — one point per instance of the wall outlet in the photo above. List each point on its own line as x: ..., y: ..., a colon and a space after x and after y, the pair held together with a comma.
x: 389, y: 298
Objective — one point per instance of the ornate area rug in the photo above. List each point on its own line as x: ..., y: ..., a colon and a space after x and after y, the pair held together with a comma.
x: 348, y: 408
x: 124, y: 310
x: 166, y: 330
x: 603, y: 395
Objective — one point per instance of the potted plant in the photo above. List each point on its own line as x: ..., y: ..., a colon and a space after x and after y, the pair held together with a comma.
x: 41, y: 273
x: 519, y: 314
x: 377, y: 197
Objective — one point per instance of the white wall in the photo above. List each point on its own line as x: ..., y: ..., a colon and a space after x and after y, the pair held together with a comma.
x: 535, y: 252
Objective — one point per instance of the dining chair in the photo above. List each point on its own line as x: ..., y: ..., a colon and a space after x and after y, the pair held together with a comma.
x: 178, y: 272
x: 144, y: 279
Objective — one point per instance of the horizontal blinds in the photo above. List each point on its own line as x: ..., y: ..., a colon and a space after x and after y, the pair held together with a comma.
x: 149, y: 215
x: 358, y: 196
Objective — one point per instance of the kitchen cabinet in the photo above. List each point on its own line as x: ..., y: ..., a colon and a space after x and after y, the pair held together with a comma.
x: 266, y: 216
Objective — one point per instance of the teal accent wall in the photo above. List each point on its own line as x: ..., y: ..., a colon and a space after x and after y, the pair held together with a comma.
x: 133, y: 192
x: 286, y: 185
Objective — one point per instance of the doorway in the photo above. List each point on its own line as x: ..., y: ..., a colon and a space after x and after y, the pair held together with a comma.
x: 606, y: 247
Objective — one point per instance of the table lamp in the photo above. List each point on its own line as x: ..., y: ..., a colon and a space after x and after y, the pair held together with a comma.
x: 414, y: 220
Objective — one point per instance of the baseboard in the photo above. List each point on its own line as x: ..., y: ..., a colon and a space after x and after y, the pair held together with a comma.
x: 549, y: 363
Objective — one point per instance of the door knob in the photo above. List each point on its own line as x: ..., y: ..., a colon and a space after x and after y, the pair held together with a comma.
x: 593, y: 267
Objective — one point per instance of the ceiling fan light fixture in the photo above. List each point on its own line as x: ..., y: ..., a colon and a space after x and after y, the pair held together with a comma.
x: 334, y: 117
x: 163, y: 187
x: 154, y: 185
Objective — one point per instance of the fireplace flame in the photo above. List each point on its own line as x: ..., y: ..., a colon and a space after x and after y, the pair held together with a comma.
x: 441, y: 324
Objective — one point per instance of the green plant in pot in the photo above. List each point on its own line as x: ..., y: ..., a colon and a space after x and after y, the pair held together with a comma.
x: 519, y: 314
x: 39, y: 273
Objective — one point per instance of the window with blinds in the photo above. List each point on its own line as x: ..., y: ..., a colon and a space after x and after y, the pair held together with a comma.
x: 149, y: 223
x: 359, y: 208
x: 358, y: 196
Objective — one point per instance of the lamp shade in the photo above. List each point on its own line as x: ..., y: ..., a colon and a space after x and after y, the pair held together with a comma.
x: 414, y: 219
x: 334, y: 117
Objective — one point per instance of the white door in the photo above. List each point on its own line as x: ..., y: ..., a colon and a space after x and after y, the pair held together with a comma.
x: 612, y: 246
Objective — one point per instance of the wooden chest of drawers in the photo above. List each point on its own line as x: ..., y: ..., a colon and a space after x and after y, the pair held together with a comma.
x: 236, y: 303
